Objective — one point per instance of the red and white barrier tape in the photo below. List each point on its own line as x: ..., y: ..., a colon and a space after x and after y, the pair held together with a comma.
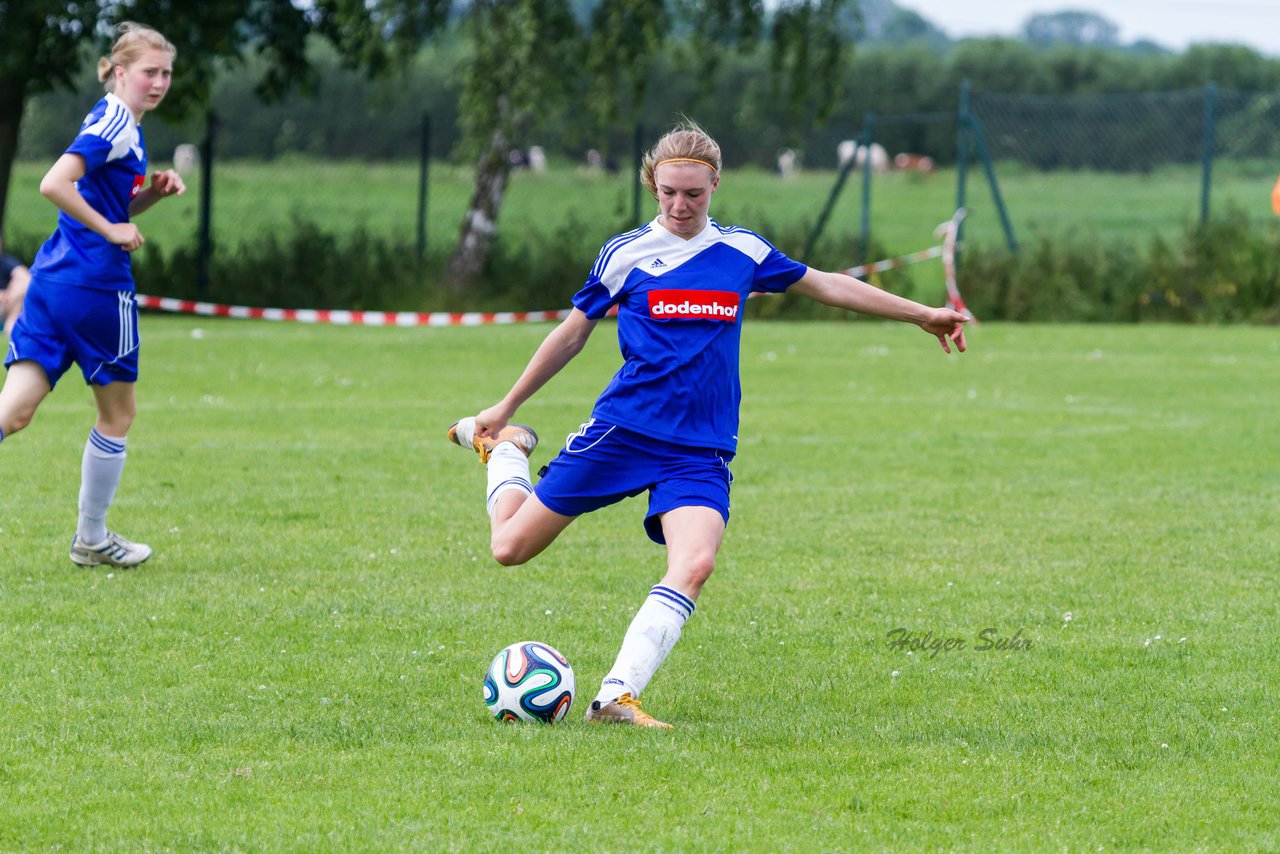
x: 894, y: 263
x: 949, y: 231
x: 350, y: 318
x: 337, y: 317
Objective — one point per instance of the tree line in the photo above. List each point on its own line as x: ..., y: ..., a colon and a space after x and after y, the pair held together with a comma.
x: 348, y: 115
x: 523, y: 62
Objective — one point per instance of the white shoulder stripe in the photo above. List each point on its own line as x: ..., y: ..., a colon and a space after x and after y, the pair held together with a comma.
x: 647, y: 247
x: 748, y: 243
x: 119, y: 123
x: 622, y: 259
x: 611, y: 248
x: 113, y: 120
x: 117, y: 126
x: 627, y: 236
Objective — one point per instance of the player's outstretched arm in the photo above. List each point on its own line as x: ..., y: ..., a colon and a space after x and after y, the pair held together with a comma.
x: 555, y: 351
x: 841, y: 291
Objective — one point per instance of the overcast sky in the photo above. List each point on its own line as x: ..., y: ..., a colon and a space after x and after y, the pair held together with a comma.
x: 1172, y: 23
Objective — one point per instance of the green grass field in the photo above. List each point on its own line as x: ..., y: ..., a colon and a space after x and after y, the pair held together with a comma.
x: 254, y: 198
x: 299, y: 667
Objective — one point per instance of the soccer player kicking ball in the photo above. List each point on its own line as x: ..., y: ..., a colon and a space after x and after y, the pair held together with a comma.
x: 668, y: 421
x: 80, y: 305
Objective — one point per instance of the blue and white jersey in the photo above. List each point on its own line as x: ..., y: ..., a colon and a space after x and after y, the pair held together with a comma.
x: 680, y: 308
x: 115, y: 160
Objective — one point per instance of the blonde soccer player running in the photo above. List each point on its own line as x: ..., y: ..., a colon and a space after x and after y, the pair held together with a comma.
x: 80, y: 305
x: 668, y: 422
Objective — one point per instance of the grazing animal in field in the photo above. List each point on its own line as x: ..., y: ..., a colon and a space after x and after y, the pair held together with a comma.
x: 186, y: 159
x: 537, y: 159
x: 844, y: 152
x: 788, y: 162
x: 913, y: 163
x: 879, y: 157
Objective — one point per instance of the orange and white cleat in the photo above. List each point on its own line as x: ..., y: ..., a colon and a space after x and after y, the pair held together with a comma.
x: 624, y: 710
x: 463, y: 432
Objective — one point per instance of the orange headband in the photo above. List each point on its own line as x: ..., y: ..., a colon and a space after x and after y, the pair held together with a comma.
x: 685, y: 160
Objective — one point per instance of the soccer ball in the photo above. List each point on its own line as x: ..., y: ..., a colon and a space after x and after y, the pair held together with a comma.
x: 529, y: 681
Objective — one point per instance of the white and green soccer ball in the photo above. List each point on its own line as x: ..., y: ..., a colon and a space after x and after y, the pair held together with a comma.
x: 529, y: 681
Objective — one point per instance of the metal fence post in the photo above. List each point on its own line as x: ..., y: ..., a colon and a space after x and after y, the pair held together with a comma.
x: 962, y: 155
x: 864, y: 231
x: 204, y: 244
x: 980, y: 144
x: 1206, y: 175
x: 637, y: 151
x: 832, y: 197
x: 424, y: 166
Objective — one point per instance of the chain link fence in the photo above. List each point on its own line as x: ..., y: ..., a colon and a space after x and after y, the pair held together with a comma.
x: 1134, y: 132
x: 1178, y: 138
x: 1121, y: 164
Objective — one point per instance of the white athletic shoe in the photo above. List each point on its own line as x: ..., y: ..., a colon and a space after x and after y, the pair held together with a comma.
x: 115, y: 550
x: 463, y: 432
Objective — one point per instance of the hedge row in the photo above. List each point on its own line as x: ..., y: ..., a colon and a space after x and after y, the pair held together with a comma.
x: 1228, y: 271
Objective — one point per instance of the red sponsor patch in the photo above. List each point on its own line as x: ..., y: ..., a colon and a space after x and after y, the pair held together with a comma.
x: 139, y: 181
x: 694, y: 305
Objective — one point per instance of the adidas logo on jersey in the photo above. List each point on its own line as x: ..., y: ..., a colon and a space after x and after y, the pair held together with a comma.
x: 693, y: 305
x: 657, y: 264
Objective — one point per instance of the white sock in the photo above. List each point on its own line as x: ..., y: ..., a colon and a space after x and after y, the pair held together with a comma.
x: 508, y: 469
x: 99, y: 476
x: 651, y: 636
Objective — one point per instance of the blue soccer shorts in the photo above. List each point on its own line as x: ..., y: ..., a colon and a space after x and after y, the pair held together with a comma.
x: 61, y: 324
x: 602, y: 464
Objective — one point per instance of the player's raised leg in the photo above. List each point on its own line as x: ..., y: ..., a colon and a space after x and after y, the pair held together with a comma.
x: 693, y: 536
x: 101, y: 469
x: 521, y: 526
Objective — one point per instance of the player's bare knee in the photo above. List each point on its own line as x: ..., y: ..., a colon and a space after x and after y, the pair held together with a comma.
x: 12, y: 422
x: 116, y: 426
x: 702, y: 570
x: 695, y: 570
x: 117, y: 421
x: 508, y: 551
x: 15, y: 414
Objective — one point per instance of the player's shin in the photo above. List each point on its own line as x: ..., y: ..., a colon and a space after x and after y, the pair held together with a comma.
x: 650, y: 638
x: 507, y: 470
x: 100, y: 472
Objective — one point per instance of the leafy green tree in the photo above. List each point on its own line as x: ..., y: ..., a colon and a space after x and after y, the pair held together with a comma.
x: 529, y: 53
x: 43, y: 43
x: 999, y: 65
x: 36, y: 39
x: 524, y: 52
x: 905, y: 26
x: 1074, y: 28
x: 530, y: 61
x: 1230, y: 66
